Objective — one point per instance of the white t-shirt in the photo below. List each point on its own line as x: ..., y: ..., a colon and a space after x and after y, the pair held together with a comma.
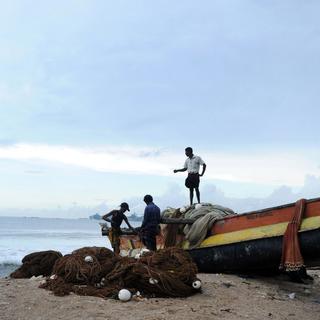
x: 193, y: 164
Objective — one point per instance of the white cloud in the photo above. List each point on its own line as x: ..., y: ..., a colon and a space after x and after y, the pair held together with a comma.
x: 177, y: 196
x: 275, y: 168
x: 107, y: 159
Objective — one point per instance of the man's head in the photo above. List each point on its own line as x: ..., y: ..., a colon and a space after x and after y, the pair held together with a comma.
x: 189, y: 152
x: 124, y: 206
x: 147, y: 199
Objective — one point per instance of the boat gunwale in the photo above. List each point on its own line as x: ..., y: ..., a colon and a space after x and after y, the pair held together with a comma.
x: 288, y: 205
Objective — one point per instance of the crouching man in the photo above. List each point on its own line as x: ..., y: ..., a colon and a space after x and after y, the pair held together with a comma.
x: 117, y: 216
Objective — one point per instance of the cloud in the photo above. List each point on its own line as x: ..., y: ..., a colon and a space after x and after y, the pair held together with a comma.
x: 279, y: 196
x: 264, y: 167
x: 177, y: 196
x: 106, y: 159
x: 33, y: 172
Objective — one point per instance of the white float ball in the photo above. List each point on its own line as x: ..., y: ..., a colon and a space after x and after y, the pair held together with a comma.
x: 124, y: 295
x: 153, y: 281
x: 88, y: 259
x: 196, y: 284
x: 183, y: 209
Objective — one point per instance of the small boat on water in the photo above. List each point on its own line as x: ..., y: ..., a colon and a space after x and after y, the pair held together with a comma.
x: 249, y: 242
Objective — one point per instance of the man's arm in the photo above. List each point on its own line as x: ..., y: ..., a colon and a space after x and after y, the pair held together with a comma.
x: 179, y: 170
x: 144, y: 221
x: 127, y: 222
x: 185, y: 167
x: 106, y: 216
x: 204, y: 166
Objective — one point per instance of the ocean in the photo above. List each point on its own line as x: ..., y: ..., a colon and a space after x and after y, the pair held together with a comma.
x: 20, y: 236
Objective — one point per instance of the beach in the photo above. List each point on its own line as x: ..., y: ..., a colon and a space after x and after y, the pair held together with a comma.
x: 223, y: 297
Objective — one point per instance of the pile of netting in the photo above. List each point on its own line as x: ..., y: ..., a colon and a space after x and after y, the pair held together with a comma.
x: 36, y: 264
x: 96, y: 271
x: 204, y: 216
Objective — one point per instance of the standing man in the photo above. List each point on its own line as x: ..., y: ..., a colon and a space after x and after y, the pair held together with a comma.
x: 192, y: 164
x: 150, y: 224
x: 117, y: 216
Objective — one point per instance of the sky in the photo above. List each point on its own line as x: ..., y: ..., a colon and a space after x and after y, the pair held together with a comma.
x: 98, y: 100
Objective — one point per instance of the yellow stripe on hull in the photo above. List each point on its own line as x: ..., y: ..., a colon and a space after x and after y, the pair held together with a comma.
x: 273, y: 230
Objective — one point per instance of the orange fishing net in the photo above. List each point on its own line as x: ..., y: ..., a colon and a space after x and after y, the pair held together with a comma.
x: 291, y: 259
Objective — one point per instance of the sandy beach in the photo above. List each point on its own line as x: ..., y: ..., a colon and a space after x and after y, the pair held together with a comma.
x: 223, y: 297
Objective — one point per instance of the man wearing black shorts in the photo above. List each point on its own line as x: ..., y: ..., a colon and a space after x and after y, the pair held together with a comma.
x: 192, y: 164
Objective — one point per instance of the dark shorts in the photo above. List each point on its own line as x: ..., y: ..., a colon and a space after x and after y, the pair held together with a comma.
x: 192, y: 181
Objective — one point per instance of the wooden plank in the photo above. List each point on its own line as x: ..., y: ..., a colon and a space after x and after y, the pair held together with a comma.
x: 177, y: 221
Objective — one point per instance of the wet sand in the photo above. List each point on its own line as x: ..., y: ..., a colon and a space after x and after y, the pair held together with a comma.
x: 223, y: 297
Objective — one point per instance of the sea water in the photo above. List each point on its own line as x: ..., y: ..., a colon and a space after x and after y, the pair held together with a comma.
x: 21, y: 236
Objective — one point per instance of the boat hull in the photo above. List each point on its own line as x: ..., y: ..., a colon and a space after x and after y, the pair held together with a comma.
x: 259, y: 255
x: 250, y: 242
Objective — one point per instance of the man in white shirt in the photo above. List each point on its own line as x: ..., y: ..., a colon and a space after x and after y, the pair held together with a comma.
x: 192, y: 164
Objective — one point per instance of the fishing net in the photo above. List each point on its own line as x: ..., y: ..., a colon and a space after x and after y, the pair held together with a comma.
x: 74, y: 269
x: 104, y: 256
x: 291, y: 259
x: 172, y: 271
x: 100, y: 253
x: 57, y: 285
x: 170, y: 231
x: 167, y: 273
x: 36, y: 264
x: 204, y: 216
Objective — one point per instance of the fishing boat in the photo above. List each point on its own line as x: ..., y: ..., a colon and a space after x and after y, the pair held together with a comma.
x: 249, y: 242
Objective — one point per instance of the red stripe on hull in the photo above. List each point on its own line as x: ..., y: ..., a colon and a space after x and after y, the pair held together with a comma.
x: 263, y: 218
